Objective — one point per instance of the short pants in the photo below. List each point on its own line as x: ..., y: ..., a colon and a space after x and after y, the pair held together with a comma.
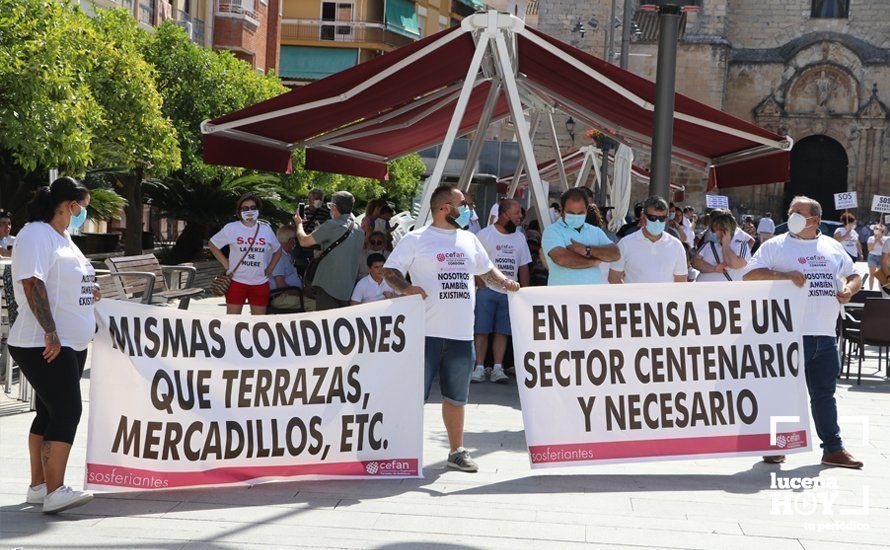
x: 452, y: 361
x: 492, y: 312
x: 255, y: 295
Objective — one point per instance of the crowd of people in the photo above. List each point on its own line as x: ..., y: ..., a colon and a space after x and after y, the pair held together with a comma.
x: 462, y: 269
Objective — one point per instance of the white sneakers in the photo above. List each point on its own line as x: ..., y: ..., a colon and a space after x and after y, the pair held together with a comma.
x: 479, y: 374
x: 36, y: 494
x: 62, y: 498
x: 496, y: 374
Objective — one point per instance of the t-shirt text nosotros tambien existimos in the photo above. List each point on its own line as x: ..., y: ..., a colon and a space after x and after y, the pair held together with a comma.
x: 259, y: 250
x: 443, y: 262
x: 823, y: 262
x: 508, y: 251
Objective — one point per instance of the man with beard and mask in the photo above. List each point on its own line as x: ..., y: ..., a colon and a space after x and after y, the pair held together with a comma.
x: 574, y: 248
x: 651, y: 255
x: 509, y: 251
x: 810, y: 259
x: 442, y: 260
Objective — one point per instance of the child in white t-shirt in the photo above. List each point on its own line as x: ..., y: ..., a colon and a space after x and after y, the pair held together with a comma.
x: 372, y: 287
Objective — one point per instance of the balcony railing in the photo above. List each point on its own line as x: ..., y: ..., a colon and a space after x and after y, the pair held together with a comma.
x: 190, y: 22
x: 247, y: 8
x: 146, y: 12
x: 374, y: 32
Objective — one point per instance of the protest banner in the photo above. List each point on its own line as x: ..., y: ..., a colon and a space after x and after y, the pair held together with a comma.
x: 845, y: 200
x: 182, y: 399
x: 610, y: 373
x: 880, y: 203
x: 716, y: 201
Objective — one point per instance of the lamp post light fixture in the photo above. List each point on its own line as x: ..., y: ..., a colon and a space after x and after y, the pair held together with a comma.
x: 579, y: 28
x: 570, y: 128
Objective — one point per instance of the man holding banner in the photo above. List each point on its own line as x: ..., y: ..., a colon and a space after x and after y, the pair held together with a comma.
x: 649, y: 255
x: 442, y: 260
x: 806, y: 257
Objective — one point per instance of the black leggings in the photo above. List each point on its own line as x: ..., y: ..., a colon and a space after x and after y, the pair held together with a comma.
x: 57, y: 386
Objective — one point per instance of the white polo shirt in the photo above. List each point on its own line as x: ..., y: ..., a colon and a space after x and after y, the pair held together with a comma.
x: 766, y: 225
x: 644, y: 261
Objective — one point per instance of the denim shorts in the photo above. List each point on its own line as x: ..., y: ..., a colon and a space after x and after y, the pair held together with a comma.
x: 492, y: 312
x: 452, y: 361
x: 874, y: 260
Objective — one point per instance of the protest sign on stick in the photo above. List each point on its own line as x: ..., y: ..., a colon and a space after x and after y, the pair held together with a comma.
x: 637, y: 372
x: 845, y: 200
x: 184, y: 399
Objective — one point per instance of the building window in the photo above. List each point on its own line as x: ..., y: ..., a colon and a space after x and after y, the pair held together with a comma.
x: 339, y: 12
x: 830, y: 9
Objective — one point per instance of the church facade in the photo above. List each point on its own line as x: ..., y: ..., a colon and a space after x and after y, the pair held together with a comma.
x: 817, y: 70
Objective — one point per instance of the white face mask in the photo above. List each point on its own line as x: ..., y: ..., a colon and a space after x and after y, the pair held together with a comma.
x: 797, y: 223
x: 250, y: 215
x: 316, y: 204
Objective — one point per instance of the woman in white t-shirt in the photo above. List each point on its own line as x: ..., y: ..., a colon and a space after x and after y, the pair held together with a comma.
x: 254, y: 251
x: 724, y: 255
x: 55, y: 288
x: 875, y: 247
x: 849, y: 237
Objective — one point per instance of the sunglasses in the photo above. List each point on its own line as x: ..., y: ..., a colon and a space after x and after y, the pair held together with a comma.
x: 376, y: 242
x: 249, y: 208
x: 654, y: 218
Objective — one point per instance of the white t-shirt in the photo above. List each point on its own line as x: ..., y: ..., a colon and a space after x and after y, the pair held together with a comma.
x: 69, y: 278
x: 643, y: 261
x: 876, y: 251
x: 239, y: 238
x: 443, y: 262
x: 706, y: 251
x: 850, y: 240
x: 823, y: 261
x: 742, y: 235
x: 493, y: 213
x: 368, y: 290
x: 886, y: 249
x: 508, y: 251
x: 688, y: 232
x: 766, y: 225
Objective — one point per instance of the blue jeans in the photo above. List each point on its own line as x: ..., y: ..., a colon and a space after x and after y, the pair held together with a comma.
x: 821, y: 367
x: 492, y: 312
x: 452, y: 361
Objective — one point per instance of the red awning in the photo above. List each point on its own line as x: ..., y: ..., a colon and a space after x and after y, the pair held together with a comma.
x: 355, y: 121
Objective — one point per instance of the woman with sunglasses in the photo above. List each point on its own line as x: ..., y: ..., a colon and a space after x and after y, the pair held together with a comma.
x: 254, y: 251
x: 376, y: 244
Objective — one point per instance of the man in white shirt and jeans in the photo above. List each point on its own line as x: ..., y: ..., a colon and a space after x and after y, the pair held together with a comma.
x: 508, y: 249
x: 766, y: 227
x: 442, y: 260
x: 650, y: 255
x: 808, y: 258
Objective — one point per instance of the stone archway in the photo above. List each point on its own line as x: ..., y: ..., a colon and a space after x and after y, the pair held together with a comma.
x: 818, y: 170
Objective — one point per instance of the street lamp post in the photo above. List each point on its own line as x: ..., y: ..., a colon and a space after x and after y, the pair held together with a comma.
x: 665, y: 82
x: 570, y: 128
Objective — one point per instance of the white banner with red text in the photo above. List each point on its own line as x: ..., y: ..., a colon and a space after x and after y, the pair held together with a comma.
x: 637, y: 372
x: 181, y: 399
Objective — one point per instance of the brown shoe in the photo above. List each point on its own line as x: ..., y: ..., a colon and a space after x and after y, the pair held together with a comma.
x: 842, y: 459
x: 774, y: 459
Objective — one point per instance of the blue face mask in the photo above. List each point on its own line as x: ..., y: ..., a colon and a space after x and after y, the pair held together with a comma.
x: 655, y: 228
x: 713, y: 238
x: 78, y: 220
x: 464, y: 215
x: 575, y: 221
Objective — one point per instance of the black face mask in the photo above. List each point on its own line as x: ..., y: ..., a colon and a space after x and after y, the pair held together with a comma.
x: 510, y: 227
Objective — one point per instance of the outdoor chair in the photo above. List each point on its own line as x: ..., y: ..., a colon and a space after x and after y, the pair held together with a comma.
x: 873, y: 331
x: 144, y: 277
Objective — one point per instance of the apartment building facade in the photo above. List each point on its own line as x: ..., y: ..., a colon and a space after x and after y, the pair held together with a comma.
x: 248, y: 28
x: 322, y: 37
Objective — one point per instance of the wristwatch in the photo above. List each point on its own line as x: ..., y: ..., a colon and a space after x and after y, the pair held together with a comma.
x: 587, y: 251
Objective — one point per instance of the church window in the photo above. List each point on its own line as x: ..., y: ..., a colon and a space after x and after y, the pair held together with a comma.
x: 830, y: 9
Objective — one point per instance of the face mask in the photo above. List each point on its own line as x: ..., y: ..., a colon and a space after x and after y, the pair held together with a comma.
x: 655, y: 228
x: 250, y: 215
x: 316, y: 204
x: 463, y: 217
x: 510, y: 227
x: 714, y: 238
x: 78, y: 220
x: 797, y: 223
x: 575, y: 220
